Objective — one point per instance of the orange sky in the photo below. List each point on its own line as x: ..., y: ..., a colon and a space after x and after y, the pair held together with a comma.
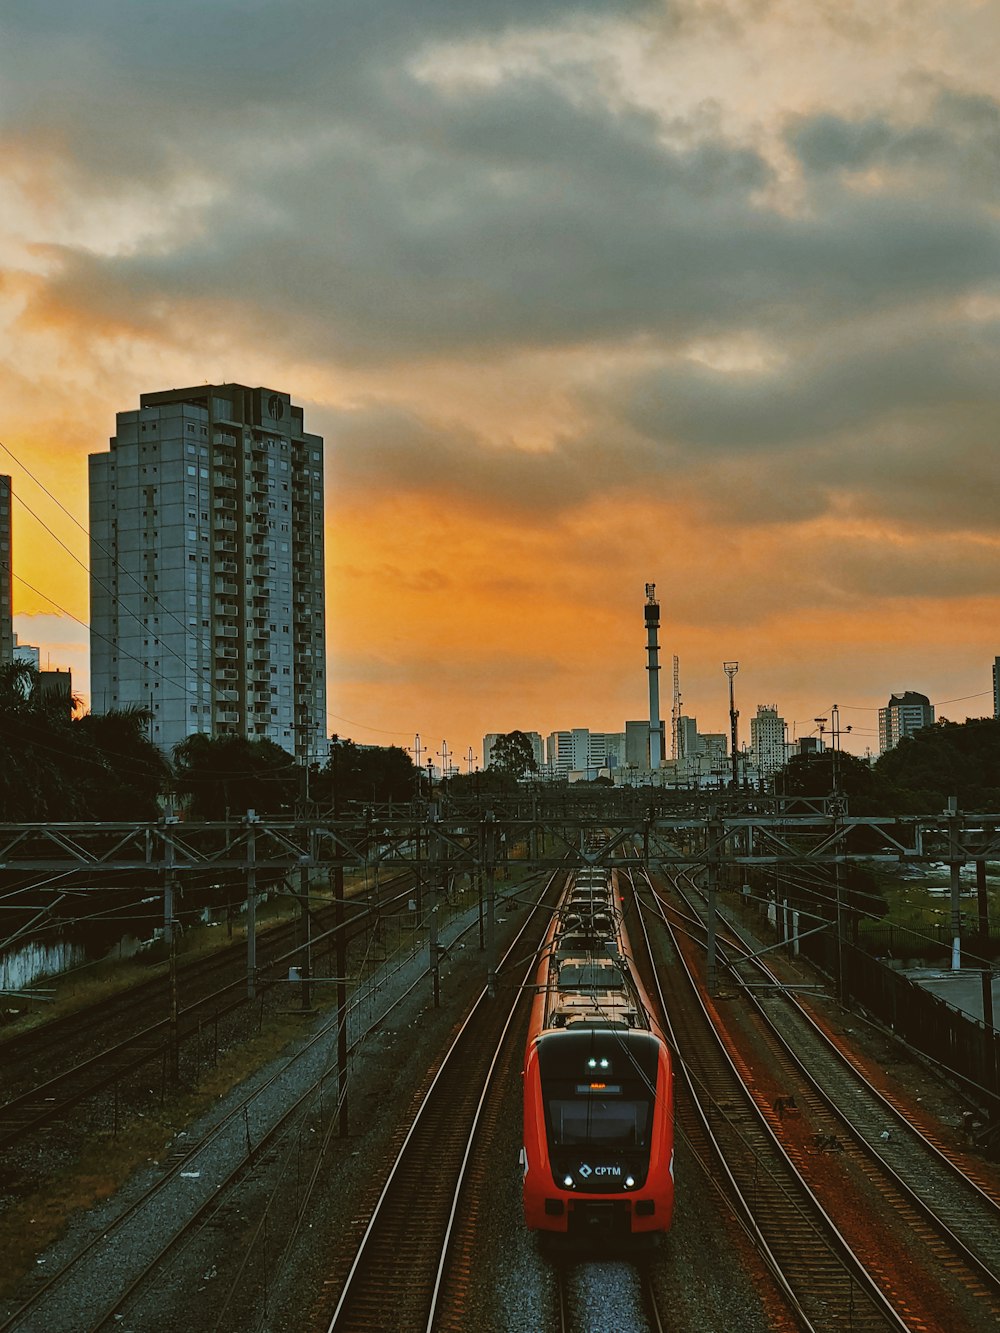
x: 580, y: 295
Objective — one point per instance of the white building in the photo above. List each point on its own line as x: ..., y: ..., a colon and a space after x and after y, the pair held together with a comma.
x: 578, y: 750
x: 905, y: 713
x: 767, y: 741
x: 27, y: 653
x: 207, y: 587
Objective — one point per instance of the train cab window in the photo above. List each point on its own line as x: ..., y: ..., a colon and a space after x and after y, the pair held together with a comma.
x: 608, y: 1123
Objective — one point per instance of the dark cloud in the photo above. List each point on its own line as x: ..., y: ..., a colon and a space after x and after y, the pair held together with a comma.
x: 957, y: 140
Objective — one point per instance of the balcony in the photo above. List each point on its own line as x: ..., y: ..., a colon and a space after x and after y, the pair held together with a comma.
x: 225, y: 524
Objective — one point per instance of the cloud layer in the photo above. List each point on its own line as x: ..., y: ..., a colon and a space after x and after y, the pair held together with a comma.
x: 580, y: 294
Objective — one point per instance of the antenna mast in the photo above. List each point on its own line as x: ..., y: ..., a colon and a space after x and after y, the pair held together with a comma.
x: 675, y: 712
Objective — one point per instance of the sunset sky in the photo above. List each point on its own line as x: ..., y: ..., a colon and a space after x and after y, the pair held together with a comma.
x: 580, y: 295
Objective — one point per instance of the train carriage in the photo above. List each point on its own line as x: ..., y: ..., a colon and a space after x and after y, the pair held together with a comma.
x: 598, y: 1088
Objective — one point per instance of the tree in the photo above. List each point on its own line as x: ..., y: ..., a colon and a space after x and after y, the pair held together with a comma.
x: 512, y: 755
x: 373, y: 773
x: 136, y: 770
x: 56, y: 767
x: 946, y: 759
x: 225, y: 776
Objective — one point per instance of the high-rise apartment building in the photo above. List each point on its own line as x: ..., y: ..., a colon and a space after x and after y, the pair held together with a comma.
x: 767, y: 741
x: 905, y: 713
x: 207, y: 587
x: 6, y: 574
x: 576, y: 751
x: 996, y: 687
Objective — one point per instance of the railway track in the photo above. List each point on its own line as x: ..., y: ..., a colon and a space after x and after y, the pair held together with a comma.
x: 108, y: 1277
x: 46, y: 1102
x: 414, y: 1270
x: 584, y: 1292
x: 824, y: 1283
x: 940, y: 1197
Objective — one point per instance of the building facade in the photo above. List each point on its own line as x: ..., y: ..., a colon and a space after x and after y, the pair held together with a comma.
x: 996, y: 687
x: 27, y: 653
x: 905, y: 713
x: 579, y: 750
x: 207, y: 582
x: 767, y: 741
x: 6, y: 574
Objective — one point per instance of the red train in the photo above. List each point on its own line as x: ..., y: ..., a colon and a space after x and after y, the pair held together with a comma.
x: 598, y: 1083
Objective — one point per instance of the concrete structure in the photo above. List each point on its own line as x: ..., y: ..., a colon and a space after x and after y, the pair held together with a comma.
x: 6, y: 574
x: 578, y: 750
x: 996, y: 687
x: 207, y: 587
x: 905, y: 713
x: 651, y: 613
x: 56, y: 688
x: 768, y: 753
x: 702, y: 756
x: 637, y: 744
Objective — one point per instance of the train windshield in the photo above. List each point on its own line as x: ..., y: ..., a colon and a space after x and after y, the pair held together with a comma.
x: 599, y: 1087
x: 621, y: 1123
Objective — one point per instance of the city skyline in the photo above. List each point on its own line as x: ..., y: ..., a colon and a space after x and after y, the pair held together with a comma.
x: 580, y: 296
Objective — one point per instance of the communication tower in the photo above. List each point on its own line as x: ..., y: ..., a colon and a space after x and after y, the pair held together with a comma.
x: 652, y: 614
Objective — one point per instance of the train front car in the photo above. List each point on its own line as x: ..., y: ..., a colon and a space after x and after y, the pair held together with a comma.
x: 598, y: 1092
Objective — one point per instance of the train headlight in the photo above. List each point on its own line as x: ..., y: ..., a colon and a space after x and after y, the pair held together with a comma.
x: 568, y: 1182
x: 629, y: 1182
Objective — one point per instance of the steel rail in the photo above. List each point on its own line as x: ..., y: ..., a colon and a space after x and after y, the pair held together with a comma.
x: 188, y: 1159
x: 804, y: 1208
x: 976, y: 1213
x: 353, y: 1294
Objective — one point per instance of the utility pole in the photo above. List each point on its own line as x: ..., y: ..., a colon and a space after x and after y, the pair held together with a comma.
x: 490, y: 857
x: 251, y: 821
x: 731, y: 668
x: 955, y: 869
x: 340, y: 953
x: 433, y: 854
x: 675, y: 711
x: 715, y: 835
x: 170, y: 929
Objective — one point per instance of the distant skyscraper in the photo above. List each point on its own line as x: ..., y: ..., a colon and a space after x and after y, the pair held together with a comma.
x: 905, y: 713
x: 767, y: 741
x: 207, y: 587
x: 6, y: 575
x: 996, y: 687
